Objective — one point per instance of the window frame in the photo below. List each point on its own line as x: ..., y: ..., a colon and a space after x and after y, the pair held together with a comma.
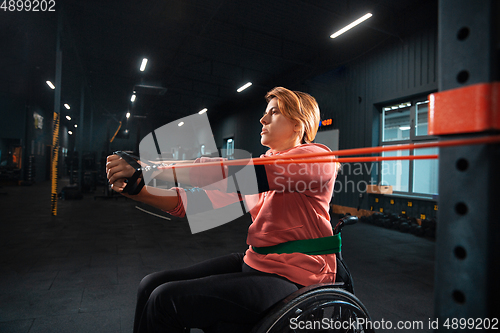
x: 412, y: 139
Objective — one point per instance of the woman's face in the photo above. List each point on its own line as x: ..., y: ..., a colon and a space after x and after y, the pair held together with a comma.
x: 278, y: 132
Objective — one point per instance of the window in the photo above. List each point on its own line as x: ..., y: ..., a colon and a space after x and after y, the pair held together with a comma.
x: 421, y: 115
x: 405, y: 123
x: 396, y: 122
x: 230, y: 148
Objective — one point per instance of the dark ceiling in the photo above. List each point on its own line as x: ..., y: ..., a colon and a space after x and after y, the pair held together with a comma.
x: 200, y: 50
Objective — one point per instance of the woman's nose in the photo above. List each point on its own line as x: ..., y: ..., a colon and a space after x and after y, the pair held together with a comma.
x: 263, y: 120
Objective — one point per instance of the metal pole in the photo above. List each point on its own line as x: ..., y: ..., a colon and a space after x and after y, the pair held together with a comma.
x: 80, y: 139
x: 467, y: 252
x: 56, y: 120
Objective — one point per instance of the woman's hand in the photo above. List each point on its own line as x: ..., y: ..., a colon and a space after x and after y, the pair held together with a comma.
x: 117, y: 171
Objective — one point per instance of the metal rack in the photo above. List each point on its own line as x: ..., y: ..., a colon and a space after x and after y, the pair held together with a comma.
x: 467, y: 258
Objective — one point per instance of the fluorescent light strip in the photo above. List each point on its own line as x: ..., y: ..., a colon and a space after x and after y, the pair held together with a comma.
x: 143, y: 64
x: 180, y: 124
x: 50, y: 85
x: 67, y: 106
x: 203, y: 111
x: 246, y: 85
x: 68, y: 117
x: 128, y: 115
x: 132, y: 99
x: 350, y: 26
x: 404, y: 128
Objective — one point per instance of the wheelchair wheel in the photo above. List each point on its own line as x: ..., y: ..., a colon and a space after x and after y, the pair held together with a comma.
x: 317, y: 308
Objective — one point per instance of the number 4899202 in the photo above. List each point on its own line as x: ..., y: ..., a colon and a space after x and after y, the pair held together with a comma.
x: 28, y: 5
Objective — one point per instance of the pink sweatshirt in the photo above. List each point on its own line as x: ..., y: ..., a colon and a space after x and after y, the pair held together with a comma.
x: 295, y: 207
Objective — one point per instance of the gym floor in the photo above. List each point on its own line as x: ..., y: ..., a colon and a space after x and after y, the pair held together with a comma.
x: 79, y: 271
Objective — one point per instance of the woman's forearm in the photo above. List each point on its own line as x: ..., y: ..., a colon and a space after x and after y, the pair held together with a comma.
x: 173, y: 174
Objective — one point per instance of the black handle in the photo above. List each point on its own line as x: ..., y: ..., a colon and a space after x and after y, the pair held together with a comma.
x: 347, y: 220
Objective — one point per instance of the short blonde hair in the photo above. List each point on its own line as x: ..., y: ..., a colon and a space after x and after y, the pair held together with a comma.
x: 300, y: 107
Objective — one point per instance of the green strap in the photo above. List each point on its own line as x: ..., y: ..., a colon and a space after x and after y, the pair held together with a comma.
x: 324, y: 245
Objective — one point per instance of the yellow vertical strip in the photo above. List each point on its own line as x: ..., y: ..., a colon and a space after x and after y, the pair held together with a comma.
x: 55, y: 160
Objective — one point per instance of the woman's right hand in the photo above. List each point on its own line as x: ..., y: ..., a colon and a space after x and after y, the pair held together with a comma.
x: 117, y: 170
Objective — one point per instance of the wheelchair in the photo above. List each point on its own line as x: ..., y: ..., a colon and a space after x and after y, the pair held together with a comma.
x: 321, y: 307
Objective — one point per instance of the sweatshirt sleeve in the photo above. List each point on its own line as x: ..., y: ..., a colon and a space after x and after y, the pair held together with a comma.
x: 197, y: 200
x: 209, y: 176
x: 299, y: 176
x: 179, y: 210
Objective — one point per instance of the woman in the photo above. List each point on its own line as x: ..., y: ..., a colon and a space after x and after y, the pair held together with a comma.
x: 231, y: 293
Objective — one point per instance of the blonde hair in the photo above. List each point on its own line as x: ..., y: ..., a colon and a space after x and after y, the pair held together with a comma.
x: 300, y: 107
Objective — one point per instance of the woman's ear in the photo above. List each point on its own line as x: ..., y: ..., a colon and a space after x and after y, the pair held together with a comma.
x: 299, y: 130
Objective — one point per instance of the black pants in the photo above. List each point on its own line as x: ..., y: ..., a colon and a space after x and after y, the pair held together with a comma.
x: 217, y: 295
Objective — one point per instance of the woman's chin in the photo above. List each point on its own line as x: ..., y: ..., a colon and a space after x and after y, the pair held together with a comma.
x: 264, y: 142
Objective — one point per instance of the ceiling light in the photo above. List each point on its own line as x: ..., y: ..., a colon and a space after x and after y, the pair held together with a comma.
x: 203, y: 111
x: 180, y: 124
x: 70, y: 133
x: 353, y: 24
x: 404, y: 128
x: 246, y: 85
x: 67, y: 106
x: 50, y: 85
x: 68, y: 117
x: 132, y: 99
x: 76, y: 125
x: 143, y: 65
x: 128, y: 115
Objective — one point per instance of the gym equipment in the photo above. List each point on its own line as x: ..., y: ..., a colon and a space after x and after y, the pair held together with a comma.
x: 394, y: 221
x: 331, y: 307
x: 404, y: 225
x: 386, y: 222
x: 364, y: 219
x: 415, y: 228
x: 429, y: 226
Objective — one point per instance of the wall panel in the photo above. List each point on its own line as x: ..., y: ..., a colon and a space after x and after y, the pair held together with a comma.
x: 397, y: 70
